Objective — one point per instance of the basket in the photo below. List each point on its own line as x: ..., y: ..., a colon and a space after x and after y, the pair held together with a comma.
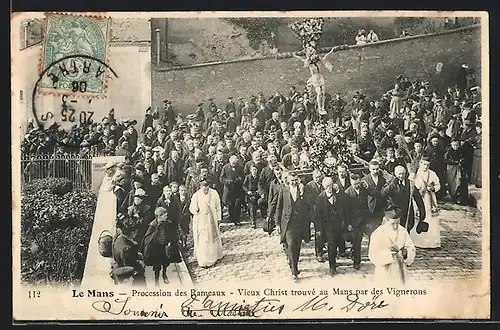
x: 105, y: 244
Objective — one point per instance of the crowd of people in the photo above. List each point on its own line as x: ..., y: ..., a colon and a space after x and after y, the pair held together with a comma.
x: 249, y: 156
x: 363, y: 38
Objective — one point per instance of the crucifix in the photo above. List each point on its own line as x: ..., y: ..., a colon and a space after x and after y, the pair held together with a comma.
x: 309, y: 32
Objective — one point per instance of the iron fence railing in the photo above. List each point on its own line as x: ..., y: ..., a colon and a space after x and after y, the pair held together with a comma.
x: 74, y: 167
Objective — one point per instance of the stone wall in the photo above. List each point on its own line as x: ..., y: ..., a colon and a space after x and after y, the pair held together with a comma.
x: 371, y: 69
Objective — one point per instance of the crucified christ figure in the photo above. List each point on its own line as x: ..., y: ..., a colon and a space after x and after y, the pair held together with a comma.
x: 316, y: 81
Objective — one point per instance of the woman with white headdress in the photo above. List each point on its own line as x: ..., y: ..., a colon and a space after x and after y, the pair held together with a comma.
x: 106, y: 202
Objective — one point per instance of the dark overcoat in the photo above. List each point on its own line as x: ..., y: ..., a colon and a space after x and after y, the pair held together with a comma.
x: 297, y: 224
x: 232, y: 179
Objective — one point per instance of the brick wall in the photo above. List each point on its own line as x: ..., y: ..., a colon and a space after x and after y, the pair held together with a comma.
x: 371, y: 69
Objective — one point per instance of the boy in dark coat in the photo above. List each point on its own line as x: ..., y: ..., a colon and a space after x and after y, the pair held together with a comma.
x: 160, y: 244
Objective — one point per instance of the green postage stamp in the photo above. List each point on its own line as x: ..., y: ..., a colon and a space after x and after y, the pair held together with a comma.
x: 75, y: 55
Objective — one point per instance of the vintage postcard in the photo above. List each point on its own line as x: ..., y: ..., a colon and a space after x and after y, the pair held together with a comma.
x: 250, y: 165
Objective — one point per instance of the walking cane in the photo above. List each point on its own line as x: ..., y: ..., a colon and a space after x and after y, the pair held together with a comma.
x: 409, y: 205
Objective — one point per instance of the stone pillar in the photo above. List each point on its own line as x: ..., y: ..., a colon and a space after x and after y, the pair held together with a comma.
x: 162, y: 25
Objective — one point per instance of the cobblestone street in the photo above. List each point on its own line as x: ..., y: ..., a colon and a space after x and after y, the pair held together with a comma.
x: 250, y: 254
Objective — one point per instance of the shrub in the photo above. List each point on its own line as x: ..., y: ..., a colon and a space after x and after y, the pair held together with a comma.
x: 56, y: 186
x: 57, y: 256
x: 55, y: 231
x: 257, y: 29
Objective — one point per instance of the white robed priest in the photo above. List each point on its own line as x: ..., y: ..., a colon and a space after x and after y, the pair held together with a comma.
x: 427, y: 182
x: 206, y: 209
x: 391, y: 250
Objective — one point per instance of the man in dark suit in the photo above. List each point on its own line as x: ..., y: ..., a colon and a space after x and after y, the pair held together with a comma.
x: 274, y: 188
x: 390, y: 161
x: 342, y: 182
x: 257, y: 161
x: 467, y: 138
x: 232, y: 178
x: 366, y: 145
x: 312, y: 189
x: 358, y: 213
x: 242, y: 156
x: 342, y: 179
x: 273, y: 121
x: 328, y: 220
x: 399, y: 193
x: 216, y: 166
x: 376, y: 204
x: 435, y: 152
x: 265, y: 177
x: 174, y: 168
x: 230, y: 105
x: 251, y: 188
x: 292, y: 220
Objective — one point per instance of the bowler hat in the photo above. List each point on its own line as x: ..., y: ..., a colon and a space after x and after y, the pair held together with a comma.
x: 422, y: 227
x: 140, y: 167
x: 434, y: 135
x: 121, y: 274
x: 386, y: 120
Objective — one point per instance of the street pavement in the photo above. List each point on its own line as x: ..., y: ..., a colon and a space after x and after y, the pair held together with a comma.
x: 251, y: 254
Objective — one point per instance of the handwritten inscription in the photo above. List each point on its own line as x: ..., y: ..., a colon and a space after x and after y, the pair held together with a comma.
x: 197, y: 307
x: 354, y: 303
x: 119, y: 307
x: 251, y: 303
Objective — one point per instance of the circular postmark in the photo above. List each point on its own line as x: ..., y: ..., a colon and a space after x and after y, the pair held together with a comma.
x: 76, y: 69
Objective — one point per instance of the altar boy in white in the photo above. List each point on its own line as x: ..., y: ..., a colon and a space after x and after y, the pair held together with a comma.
x: 391, y: 250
